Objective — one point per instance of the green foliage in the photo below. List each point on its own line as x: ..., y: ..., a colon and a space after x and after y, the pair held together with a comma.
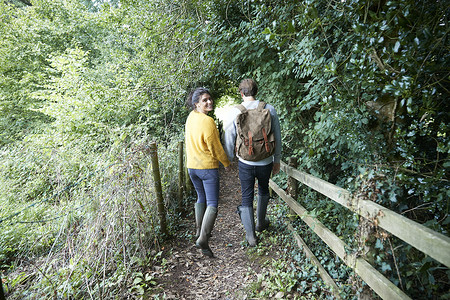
x: 287, y: 273
x: 30, y: 36
x: 103, y: 221
x: 84, y: 175
x: 360, y: 88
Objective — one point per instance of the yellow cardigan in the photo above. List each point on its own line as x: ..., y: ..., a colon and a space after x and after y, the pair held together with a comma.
x: 203, y: 147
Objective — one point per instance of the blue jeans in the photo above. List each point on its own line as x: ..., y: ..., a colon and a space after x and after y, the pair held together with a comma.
x: 247, y: 176
x: 206, y: 183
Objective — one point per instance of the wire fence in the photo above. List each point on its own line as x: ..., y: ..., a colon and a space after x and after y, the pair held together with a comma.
x: 143, y: 149
x: 67, y: 188
x: 117, y: 228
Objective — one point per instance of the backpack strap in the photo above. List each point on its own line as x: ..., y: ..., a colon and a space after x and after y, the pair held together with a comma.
x: 241, y: 108
x: 250, y: 143
x: 261, y: 105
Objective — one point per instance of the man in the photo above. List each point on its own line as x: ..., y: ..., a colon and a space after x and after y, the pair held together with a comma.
x: 249, y: 169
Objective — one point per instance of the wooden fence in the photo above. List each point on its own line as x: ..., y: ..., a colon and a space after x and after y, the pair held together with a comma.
x: 184, y: 183
x: 429, y: 242
x: 434, y: 244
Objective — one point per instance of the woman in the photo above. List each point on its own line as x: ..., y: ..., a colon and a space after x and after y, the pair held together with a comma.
x: 204, y: 151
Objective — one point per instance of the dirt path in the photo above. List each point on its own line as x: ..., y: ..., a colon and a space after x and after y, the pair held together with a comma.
x: 190, y: 275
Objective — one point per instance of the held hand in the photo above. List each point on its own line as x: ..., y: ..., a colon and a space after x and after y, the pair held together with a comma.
x: 276, y: 168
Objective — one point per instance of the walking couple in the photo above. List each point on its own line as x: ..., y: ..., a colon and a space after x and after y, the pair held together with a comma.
x: 253, y: 136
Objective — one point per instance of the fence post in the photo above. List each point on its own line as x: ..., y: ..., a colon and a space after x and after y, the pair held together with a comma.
x: 188, y: 183
x: 292, y: 188
x: 158, y: 188
x: 366, y: 239
x: 181, y: 181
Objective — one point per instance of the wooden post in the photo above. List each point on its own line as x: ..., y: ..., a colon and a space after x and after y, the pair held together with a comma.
x: 158, y: 188
x: 181, y: 181
x: 189, y: 185
x: 292, y: 189
x: 366, y: 239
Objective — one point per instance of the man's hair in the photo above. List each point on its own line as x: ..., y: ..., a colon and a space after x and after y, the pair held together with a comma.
x: 248, y: 87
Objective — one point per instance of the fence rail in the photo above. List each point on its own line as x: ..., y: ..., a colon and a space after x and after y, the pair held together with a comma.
x: 424, y: 239
x: 434, y: 244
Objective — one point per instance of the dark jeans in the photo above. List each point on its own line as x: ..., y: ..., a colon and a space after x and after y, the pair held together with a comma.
x: 247, y: 176
x: 206, y: 183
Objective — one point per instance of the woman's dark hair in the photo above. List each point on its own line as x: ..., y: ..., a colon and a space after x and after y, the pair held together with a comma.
x: 195, y: 95
x: 248, y: 87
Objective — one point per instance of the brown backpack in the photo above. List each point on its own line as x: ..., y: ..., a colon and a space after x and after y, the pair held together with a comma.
x: 255, y: 139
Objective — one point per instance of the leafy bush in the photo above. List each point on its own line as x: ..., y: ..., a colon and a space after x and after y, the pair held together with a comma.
x: 89, y: 239
x: 361, y: 100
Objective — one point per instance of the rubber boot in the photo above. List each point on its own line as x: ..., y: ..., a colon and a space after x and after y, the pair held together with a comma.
x: 199, y: 212
x: 262, y: 222
x: 248, y: 220
x: 209, y: 218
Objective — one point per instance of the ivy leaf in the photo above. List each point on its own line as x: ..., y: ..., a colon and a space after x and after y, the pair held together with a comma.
x: 385, y: 267
x: 317, y: 116
x: 379, y: 244
x: 446, y: 221
x: 148, y: 277
x: 266, y: 31
x: 396, y: 47
x: 431, y: 278
x: 392, y: 196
